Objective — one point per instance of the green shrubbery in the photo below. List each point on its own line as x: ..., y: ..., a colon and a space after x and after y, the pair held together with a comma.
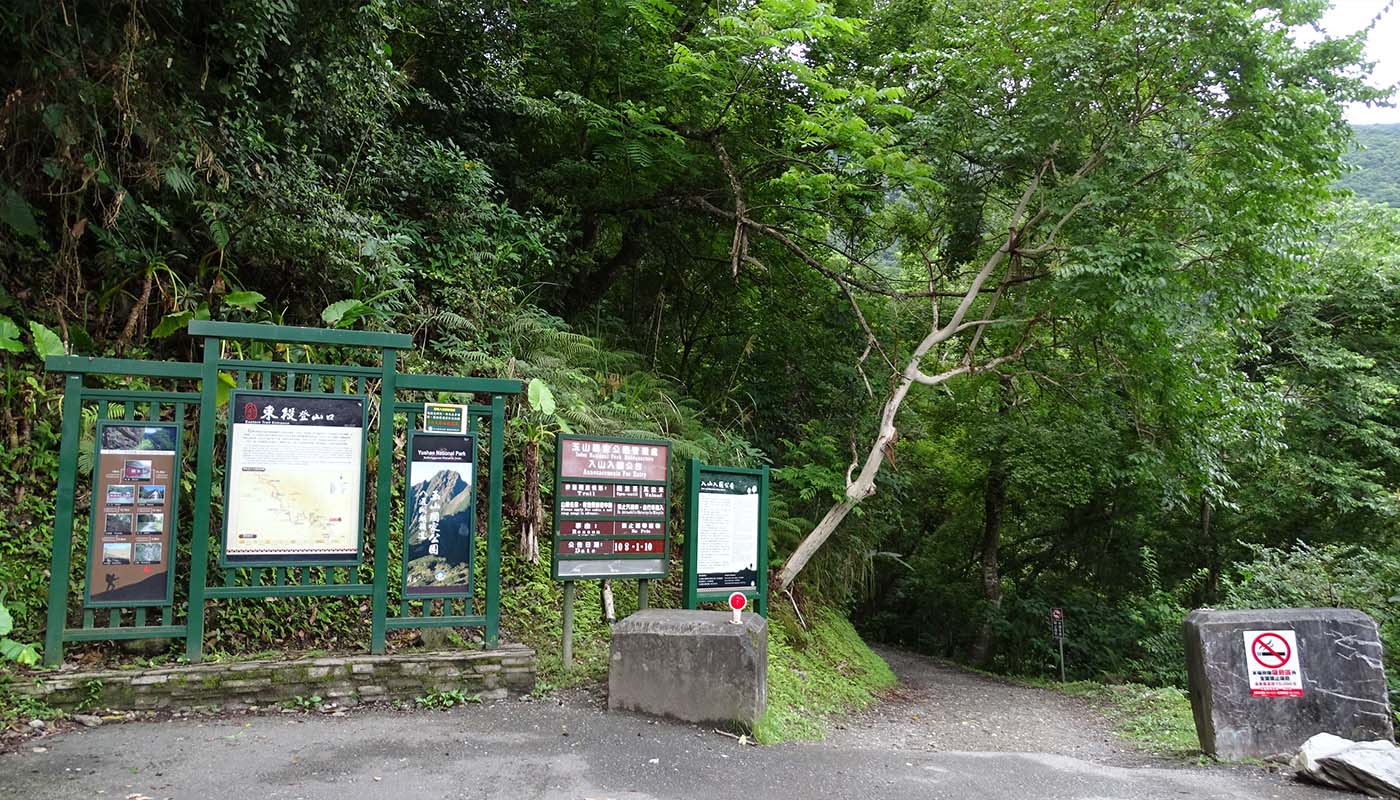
x: 1326, y: 576
x: 816, y: 672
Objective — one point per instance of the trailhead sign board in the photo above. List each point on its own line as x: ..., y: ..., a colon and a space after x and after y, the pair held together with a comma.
x: 610, y: 507
x: 439, y: 514
x: 296, y: 470
x: 726, y: 534
x: 135, y: 481
x: 1273, y: 663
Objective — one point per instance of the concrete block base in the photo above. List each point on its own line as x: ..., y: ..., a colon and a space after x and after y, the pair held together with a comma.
x: 1343, y: 681
x: 695, y: 666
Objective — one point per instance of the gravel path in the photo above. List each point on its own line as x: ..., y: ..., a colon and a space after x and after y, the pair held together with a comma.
x: 939, y: 707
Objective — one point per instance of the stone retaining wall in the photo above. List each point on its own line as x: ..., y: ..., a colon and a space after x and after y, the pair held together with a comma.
x: 344, y: 680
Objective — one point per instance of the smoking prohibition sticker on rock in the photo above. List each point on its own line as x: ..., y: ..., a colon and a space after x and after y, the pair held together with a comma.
x: 1271, y: 658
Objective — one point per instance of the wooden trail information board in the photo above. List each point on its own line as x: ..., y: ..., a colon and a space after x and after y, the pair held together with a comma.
x: 135, y: 481
x: 726, y: 543
x: 296, y: 472
x: 610, y: 505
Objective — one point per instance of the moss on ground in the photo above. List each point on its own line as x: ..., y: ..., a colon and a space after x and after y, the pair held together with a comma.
x: 816, y: 673
x: 1156, y: 719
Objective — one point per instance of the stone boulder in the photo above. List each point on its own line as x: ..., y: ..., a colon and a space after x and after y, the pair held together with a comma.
x: 695, y: 666
x: 1342, y: 682
x: 1372, y: 768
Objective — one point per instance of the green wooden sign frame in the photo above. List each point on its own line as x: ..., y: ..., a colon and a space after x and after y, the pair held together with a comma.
x: 693, y: 596
x: 189, y: 395
x: 94, y: 538
x: 225, y: 560
x: 558, y: 517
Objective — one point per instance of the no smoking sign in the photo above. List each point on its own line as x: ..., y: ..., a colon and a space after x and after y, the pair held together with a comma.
x: 1271, y: 658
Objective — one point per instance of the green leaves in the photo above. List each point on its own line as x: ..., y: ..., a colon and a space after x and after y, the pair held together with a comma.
x: 46, y: 342
x: 243, y: 300
x: 9, y: 335
x: 171, y: 323
x: 17, y: 214
x: 541, y: 399
x: 226, y: 386
x: 343, y: 314
x: 10, y: 650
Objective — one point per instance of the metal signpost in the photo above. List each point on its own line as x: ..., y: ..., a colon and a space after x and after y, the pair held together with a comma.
x: 1057, y: 628
x: 726, y: 543
x: 611, y: 497
x: 294, y: 506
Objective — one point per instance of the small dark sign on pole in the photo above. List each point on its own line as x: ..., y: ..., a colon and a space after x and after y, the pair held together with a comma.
x: 1057, y: 628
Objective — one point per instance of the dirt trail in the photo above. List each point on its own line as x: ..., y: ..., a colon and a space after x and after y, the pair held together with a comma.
x: 939, y: 707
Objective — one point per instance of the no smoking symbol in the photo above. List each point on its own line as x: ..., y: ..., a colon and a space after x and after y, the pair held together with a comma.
x: 1270, y: 650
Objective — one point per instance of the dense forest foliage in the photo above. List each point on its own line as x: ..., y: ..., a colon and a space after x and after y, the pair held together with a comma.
x: 1375, y: 175
x: 1029, y: 304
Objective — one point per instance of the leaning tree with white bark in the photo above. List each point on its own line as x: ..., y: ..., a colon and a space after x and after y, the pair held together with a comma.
x: 1023, y: 168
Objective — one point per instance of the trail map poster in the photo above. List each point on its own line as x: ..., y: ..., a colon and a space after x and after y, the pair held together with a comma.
x: 439, y: 515
x: 610, y: 510
x: 133, y: 517
x: 726, y: 555
x: 295, y: 478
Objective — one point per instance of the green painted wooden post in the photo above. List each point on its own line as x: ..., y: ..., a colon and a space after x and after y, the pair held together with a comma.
x: 59, y: 566
x: 203, y: 496
x: 689, y: 598
x: 643, y: 593
x: 567, y: 647
x: 763, y: 545
x: 493, y: 523
x: 383, y: 486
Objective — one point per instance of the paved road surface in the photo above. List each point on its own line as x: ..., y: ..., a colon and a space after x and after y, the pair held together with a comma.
x: 575, y: 751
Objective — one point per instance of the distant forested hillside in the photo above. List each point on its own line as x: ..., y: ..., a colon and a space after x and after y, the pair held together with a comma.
x: 1378, y: 178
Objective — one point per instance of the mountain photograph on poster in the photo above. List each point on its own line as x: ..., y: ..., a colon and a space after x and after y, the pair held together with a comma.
x: 447, y: 490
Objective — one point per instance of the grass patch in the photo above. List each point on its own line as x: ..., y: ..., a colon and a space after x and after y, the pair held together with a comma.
x: 1158, y: 720
x: 815, y: 674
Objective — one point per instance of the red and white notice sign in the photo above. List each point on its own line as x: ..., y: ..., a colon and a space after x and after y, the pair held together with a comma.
x: 1272, y: 660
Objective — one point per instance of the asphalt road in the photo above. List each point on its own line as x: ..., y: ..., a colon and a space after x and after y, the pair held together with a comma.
x: 574, y: 750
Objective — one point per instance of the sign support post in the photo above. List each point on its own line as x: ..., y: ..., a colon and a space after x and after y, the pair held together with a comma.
x: 1057, y: 627
x: 1062, y: 659
x: 643, y: 594
x: 570, y: 588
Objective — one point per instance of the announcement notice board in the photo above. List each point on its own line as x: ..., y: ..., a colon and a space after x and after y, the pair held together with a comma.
x: 295, y: 479
x: 727, y: 534
x: 439, y: 515
x: 134, y: 484
x: 1274, y: 670
x: 610, y: 508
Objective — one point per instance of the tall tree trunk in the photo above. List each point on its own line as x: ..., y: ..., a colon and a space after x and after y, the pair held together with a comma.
x: 1212, y: 550
x: 993, y: 504
x: 861, y: 484
x: 531, y: 508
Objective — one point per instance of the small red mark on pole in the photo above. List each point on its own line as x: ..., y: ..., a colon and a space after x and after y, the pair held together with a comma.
x: 737, y: 602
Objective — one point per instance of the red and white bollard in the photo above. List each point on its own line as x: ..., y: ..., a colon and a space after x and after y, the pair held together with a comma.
x: 737, y: 602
